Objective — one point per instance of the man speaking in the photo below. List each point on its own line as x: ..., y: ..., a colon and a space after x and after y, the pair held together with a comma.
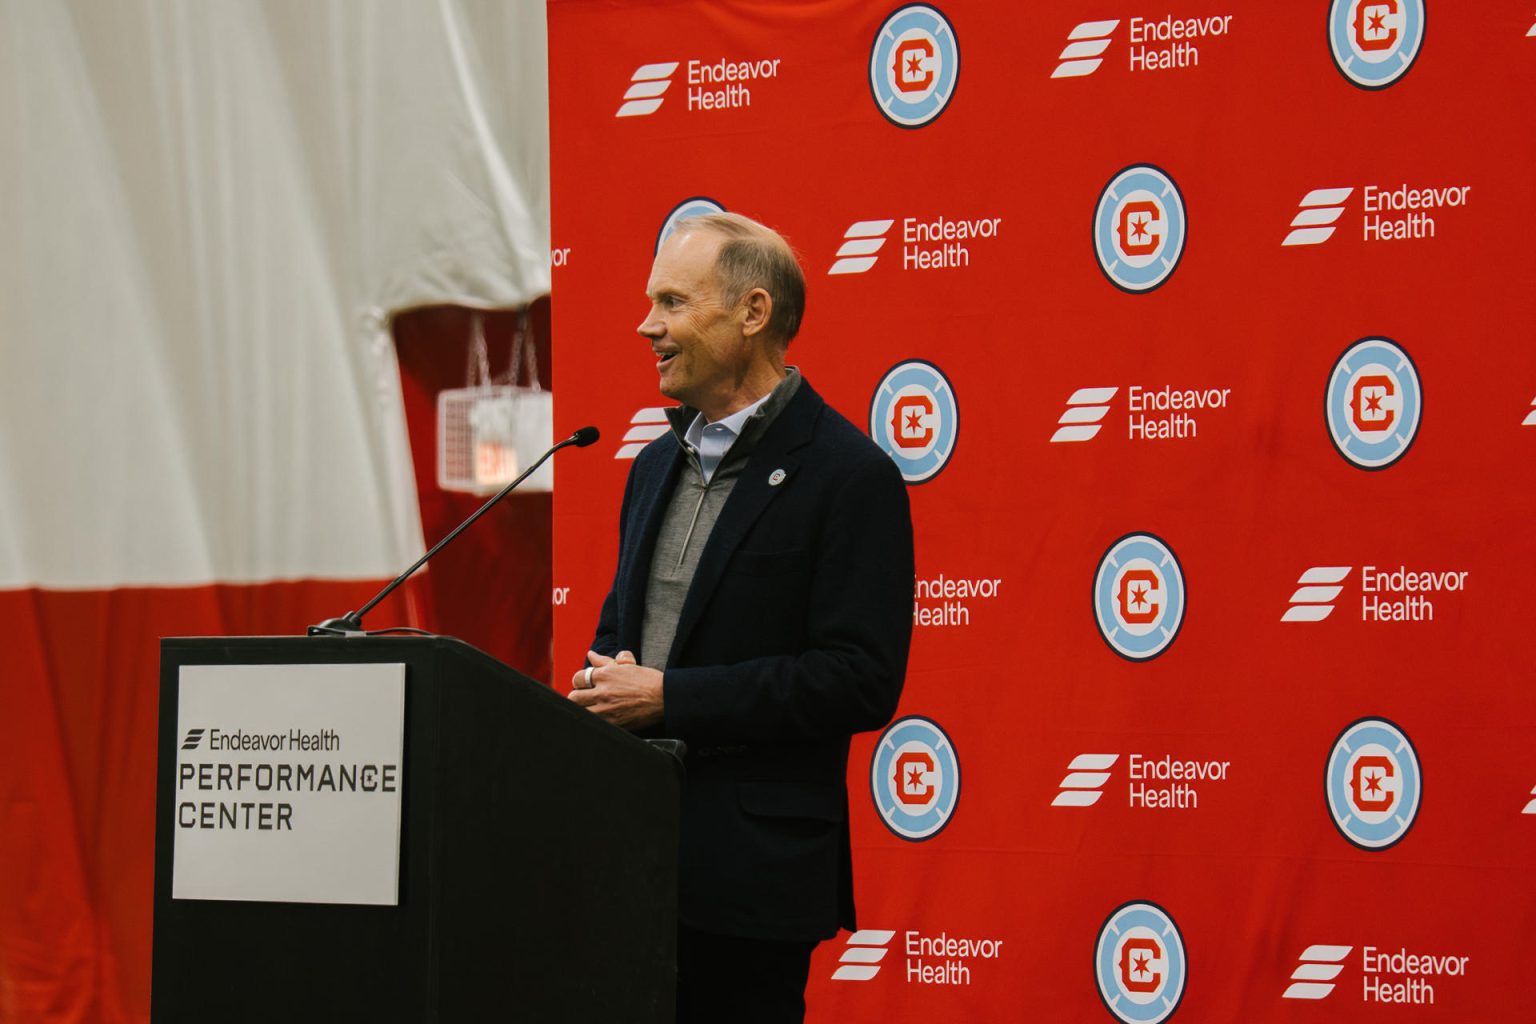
x: 761, y: 611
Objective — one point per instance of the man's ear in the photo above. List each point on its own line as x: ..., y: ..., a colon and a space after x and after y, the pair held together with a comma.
x: 757, y: 307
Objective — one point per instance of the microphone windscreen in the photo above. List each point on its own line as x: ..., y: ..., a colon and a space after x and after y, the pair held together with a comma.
x: 585, y: 436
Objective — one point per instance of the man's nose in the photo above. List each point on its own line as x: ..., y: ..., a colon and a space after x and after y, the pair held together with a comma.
x: 651, y: 326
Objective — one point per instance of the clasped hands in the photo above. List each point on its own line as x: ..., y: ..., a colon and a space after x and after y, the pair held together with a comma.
x: 619, y: 690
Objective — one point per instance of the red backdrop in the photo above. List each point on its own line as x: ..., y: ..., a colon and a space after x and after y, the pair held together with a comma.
x: 1031, y: 904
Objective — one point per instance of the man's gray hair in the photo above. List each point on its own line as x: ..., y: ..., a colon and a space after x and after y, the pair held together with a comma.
x: 756, y: 256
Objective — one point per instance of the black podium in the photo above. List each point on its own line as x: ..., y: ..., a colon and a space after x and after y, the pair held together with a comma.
x: 538, y: 852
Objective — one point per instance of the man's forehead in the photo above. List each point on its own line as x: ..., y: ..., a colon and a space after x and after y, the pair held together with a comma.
x: 686, y: 259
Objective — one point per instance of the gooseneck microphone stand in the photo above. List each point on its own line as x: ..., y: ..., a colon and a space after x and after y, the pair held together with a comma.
x: 351, y: 624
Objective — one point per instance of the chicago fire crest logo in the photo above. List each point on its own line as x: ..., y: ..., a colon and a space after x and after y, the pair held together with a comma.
x: 1138, y: 596
x: 692, y: 207
x: 915, y: 419
x: 1139, y: 228
x: 1140, y: 964
x: 1375, y: 42
x: 1374, y: 403
x: 914, y: 65
x: 1373, y: 784
x: 914, y: 778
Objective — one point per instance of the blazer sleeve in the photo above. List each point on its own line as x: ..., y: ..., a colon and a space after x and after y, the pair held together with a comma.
x: 849, y: 675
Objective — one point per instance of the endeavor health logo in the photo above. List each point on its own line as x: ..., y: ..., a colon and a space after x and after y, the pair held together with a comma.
x: 931, y: 958
x: 914, y: 417
x: 1375, y: 42
x: 647, y: 90
x: 1140, y: 964
x: 714, y: 83
x: 1086, y: 409
x: 1320, y: 210
x: 1317, y: 591
x: 1388, y: 593
x: 914, y: 778
x: 1389, y: 212
x: 861, y: 246
x: 1157, y: 413
x: 1156, y: 44
x: 645, y: 426
x: 1084, y: 52
x: 1138, y: 596
x: 1314, y: 975
x: 1374, y: 402
x: 1084, y: 782
x: 1154, y: 781
x: 1373, y: 783
x: 939, y: 243
x: 1139, y: 228
x: 914, y: 65
x: 866, y: 950
x: 1393, y: 977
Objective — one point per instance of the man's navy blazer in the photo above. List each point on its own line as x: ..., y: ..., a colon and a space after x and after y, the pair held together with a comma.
x: 793, y: 636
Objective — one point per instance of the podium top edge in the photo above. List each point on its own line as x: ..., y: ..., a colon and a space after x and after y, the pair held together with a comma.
x: 294, y: 644
x: 204, y: 641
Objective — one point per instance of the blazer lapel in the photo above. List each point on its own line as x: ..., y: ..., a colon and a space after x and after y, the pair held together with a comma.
x: 755, y: 489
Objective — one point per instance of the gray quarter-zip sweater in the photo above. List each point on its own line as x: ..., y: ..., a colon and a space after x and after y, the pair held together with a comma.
x: 690, y: 519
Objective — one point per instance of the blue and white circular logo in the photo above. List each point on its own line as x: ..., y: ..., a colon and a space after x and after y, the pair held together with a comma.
x: 913, y: 65
x: 1139, y: 228
x: 1373, y: 783
x: 915, y: 778
x: 1140, y: 964
x: 1138, y: 596
x: 1375, y: 42
x: 915, y: 418
x: 691, y: 207
x: 1374, y: 403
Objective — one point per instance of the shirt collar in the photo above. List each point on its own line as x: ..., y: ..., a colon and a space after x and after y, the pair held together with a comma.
x: 759, y: 415
x: 733, y: 423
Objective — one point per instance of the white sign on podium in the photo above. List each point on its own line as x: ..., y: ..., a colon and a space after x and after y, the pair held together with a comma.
x: 288, y: 781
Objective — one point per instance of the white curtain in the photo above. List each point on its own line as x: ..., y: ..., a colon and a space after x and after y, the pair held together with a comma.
x: 208, y: 211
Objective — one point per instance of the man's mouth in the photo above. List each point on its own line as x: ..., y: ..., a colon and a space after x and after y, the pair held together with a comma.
x: 663, y: 358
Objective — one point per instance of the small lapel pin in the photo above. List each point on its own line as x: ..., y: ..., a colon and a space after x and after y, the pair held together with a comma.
x: 776, y: 477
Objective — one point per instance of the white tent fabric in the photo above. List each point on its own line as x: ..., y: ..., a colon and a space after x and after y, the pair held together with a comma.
x: 208, y: 211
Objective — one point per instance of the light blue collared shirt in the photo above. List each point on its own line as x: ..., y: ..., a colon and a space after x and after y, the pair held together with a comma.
x: 713, y: 440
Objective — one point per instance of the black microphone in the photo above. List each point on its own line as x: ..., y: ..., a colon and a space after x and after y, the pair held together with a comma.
x: 351, y: 624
